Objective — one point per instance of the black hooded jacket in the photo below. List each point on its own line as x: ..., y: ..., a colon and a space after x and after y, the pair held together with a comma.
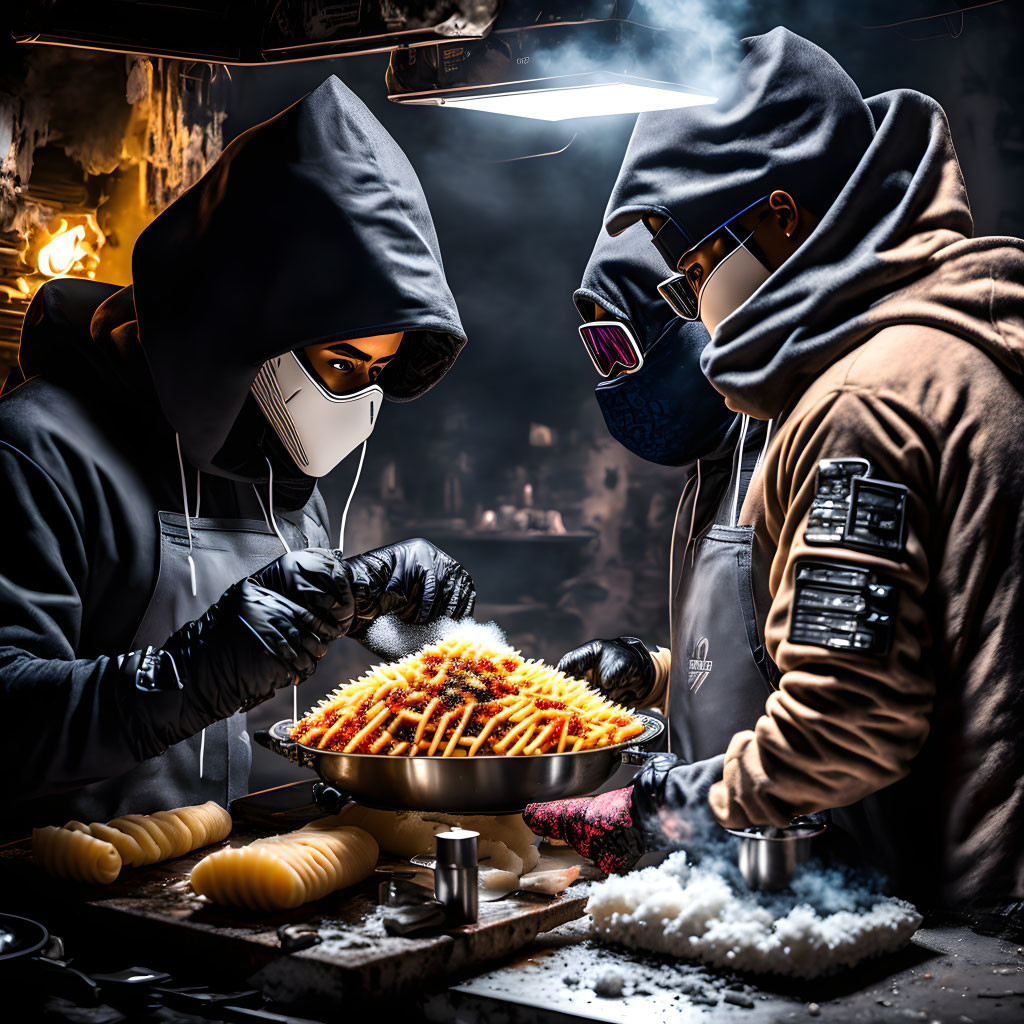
x: 87, y: 445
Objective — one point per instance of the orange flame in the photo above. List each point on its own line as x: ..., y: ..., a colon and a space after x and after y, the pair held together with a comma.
x: 71, y: 250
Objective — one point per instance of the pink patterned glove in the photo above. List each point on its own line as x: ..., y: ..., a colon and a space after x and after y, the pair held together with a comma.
x: 599, y: 828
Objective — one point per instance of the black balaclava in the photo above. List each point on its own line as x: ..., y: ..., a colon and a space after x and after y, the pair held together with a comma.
x: 665, y: 412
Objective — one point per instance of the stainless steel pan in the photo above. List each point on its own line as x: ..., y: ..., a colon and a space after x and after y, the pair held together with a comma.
x: 480, y: 784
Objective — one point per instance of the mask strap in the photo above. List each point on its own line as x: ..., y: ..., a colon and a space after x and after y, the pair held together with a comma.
x: 741, y: 243
x: 738, y: 468
x: 351, y: 495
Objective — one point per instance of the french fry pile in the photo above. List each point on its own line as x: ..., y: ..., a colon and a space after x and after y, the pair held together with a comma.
x: 459, y: 698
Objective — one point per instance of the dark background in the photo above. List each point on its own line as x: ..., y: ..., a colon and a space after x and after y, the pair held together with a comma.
x: 515, y: 238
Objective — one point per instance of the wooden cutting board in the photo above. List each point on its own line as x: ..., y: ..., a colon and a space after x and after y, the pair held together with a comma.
x: 151, y: 916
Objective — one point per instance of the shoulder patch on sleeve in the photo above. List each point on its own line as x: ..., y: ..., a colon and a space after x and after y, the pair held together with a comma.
x: 852, y: 510
x: 842, y: 607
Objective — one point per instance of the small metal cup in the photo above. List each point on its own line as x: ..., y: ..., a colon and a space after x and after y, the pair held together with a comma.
x: 455, y: 875
x: 769, y: 857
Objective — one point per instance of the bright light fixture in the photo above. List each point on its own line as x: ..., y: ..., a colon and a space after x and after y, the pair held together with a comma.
x: 580, y: 101
x: 556, y: 99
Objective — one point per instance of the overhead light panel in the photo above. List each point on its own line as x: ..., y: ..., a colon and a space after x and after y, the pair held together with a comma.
x: 562, y: 97
x: 555, y: 72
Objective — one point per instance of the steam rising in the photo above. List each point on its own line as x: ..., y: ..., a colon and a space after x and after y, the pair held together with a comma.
x: 392, y: 638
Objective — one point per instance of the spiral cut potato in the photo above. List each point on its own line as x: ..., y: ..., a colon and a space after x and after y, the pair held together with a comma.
x: 96, y: 853
x: 458, y: 698
x: 282, y: 872
x: 168, y: 834
x: 75, y: 856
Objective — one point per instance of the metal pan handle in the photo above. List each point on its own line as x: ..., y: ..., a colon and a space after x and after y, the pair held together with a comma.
x: 277, y: 739
x: 635, y: 756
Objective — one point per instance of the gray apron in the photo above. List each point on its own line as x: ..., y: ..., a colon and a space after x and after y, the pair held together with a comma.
x: 721, y: 674
x: 224, y: 551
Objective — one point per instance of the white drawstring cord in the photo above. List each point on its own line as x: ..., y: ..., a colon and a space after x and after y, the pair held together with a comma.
x: 269, y: 518
x: 738, y: 468
x: 693, y: 518
x: 184, y: 502
x: 764, y: 447
x: 191, y: 564
x: 272, y: 523
x: 351, y: 495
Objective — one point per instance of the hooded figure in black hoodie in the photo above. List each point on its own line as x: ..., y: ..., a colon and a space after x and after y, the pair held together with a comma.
x: 229, y: 376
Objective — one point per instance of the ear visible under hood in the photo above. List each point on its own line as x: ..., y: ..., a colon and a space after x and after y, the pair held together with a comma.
x: 310, y: 227
x: 792, y: 119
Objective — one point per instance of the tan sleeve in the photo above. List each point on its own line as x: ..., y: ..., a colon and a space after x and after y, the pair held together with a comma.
x: 662, y: 658
x: 841, y: 724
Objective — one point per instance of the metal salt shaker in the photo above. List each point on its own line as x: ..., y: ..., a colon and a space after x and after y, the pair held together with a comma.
x: 455, y: 875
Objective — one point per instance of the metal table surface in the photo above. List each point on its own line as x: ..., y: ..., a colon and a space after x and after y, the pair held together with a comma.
x: 948, y: 974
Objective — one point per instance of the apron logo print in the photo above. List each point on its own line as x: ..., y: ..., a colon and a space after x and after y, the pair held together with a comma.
x: 700, y: 666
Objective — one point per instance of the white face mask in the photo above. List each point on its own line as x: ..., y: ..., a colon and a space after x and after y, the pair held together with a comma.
x: 729, y: 285
x: 318, y: 427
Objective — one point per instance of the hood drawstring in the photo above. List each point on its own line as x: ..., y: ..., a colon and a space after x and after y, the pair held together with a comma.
x: 271, y: 521
x: 351, y: 495
x: 693, y: 519
x: 738, y: 462
x: 184, y: 503
x: 191, y: 563
x: 764, y: 447
x: 738, y: 468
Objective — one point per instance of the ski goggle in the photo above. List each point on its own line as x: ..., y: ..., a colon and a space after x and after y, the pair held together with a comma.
x: 611, y: 344
x: 682, y: 291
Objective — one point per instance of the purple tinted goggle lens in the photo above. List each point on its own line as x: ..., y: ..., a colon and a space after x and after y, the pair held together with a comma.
x: 611, y: 344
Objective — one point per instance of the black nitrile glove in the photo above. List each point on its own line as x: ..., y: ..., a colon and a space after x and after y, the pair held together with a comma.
x: 670, y: 802
x: 622, y: 669
x: 412, y: 579
x: 318, y: 580
x: 270, y: 629
x: 252, y: 642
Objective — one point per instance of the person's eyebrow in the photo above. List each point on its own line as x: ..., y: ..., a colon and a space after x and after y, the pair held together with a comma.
x: 384, y: 359
x: 343, y: 348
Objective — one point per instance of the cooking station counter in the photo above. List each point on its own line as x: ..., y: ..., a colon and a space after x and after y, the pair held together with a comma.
x: 528, y: 958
